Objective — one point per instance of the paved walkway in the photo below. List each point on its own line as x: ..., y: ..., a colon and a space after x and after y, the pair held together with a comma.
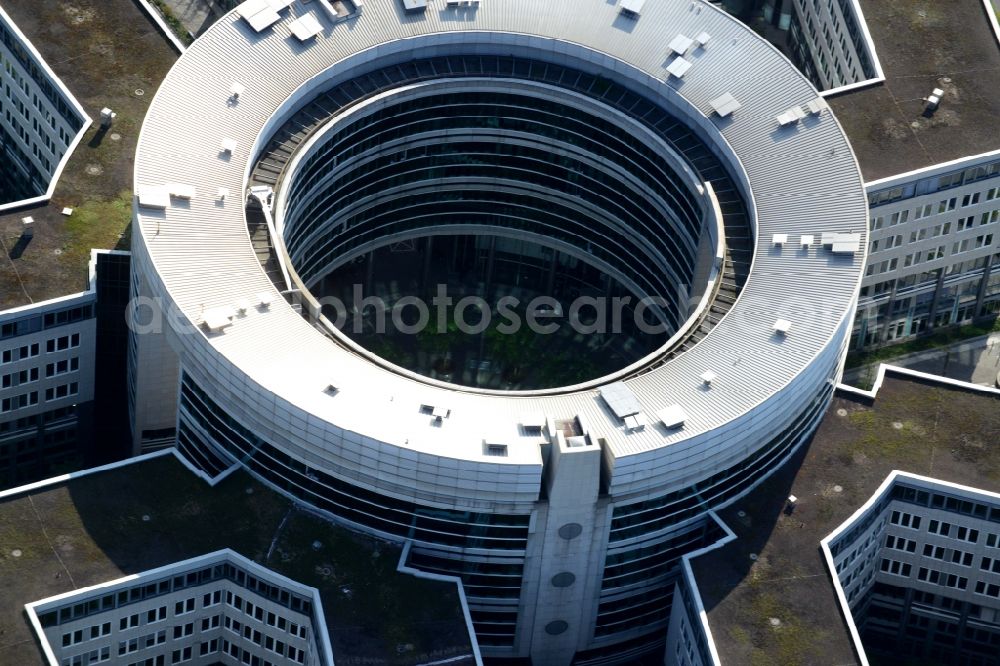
x: 976, y: 360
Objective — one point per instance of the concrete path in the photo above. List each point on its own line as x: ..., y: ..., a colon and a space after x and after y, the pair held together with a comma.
x: 976, y: 360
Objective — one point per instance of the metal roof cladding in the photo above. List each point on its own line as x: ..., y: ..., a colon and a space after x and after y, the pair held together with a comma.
x: 803, y: 179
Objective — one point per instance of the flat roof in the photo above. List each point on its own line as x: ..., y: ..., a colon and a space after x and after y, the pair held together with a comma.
x: 191, y: 113
x: 103, y: 66
x: 916, y: 426
x: 91, y: 530
x: 924, y: 45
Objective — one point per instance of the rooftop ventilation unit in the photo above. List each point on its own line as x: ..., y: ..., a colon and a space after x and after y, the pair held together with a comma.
x: 218, y: 319
x: 672, y: 417
x: 817, y: 106
x: 227, y: 145
x: 306, y: 27
x: 724, y: 105
x: 533, y: 423
x: 679, y: 67
x: 154, y: 197
x: 779, y: 239
x: 632, y: 8
x: 934, y: 100
x: 782, y: 326
x: 806, y: 240
x: 181, y: 191
x: 264, y: 300
x: 261, y: 14
x: 708, y: 377
x: 680, y: 44
x: 495, y: 450
x: 842, y: 243
x: 620, y: 399
x: 636, y: 422
x: 791, y: 116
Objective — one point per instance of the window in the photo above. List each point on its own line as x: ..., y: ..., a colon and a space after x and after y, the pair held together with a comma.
x: 894, y: 567
x: 62, y: 367
x: 180, y: 631
x: 967, y: 534
x: 905, y: 520
x: 949, y: 180
x: 184, y: 607
x: 947, y: 204
x: 899, y: 543
x: 61, y: 391
x: 939, y: 527
x: 62, y: 343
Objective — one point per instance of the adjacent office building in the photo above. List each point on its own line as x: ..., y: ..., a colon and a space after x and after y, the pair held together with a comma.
x: 51, y: 418
x: 40, y: 120
x: 219, y: 608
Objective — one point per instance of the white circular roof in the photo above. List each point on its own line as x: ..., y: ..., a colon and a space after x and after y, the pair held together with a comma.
x: 803, y: 179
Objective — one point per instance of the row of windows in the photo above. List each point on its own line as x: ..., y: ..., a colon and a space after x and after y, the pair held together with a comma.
x: 929, y: 278
x: 258, y: 613
x: 161, y: 587
x: 509, y: 209
x: 936, y: 183
x: 952, y: 555
x: 504, y: 113
x: 95, y: 656
x: 410, y: 520
x: 899, y: 543
x: 142, y: 642
x: 563, y: 187
x: 88, y: 634
x: 953, y: 531
x: 936, y: 577
x: 894, y: 567
x: 36, y: 323
x: 52, y: 345
x: 265, y: 641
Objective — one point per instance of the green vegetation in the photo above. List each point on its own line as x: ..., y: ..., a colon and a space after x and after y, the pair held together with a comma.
x: 939, y: 339
x: 171, y: 20
x: 788, y: 643
x: 96, y: 223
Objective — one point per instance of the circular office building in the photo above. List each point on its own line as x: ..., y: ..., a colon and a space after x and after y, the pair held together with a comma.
x: 622, y: 241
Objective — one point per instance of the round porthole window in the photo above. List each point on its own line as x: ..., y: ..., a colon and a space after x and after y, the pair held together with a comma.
x: 564, y: 579
x: 556, y: 627
x: 570, y: 530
